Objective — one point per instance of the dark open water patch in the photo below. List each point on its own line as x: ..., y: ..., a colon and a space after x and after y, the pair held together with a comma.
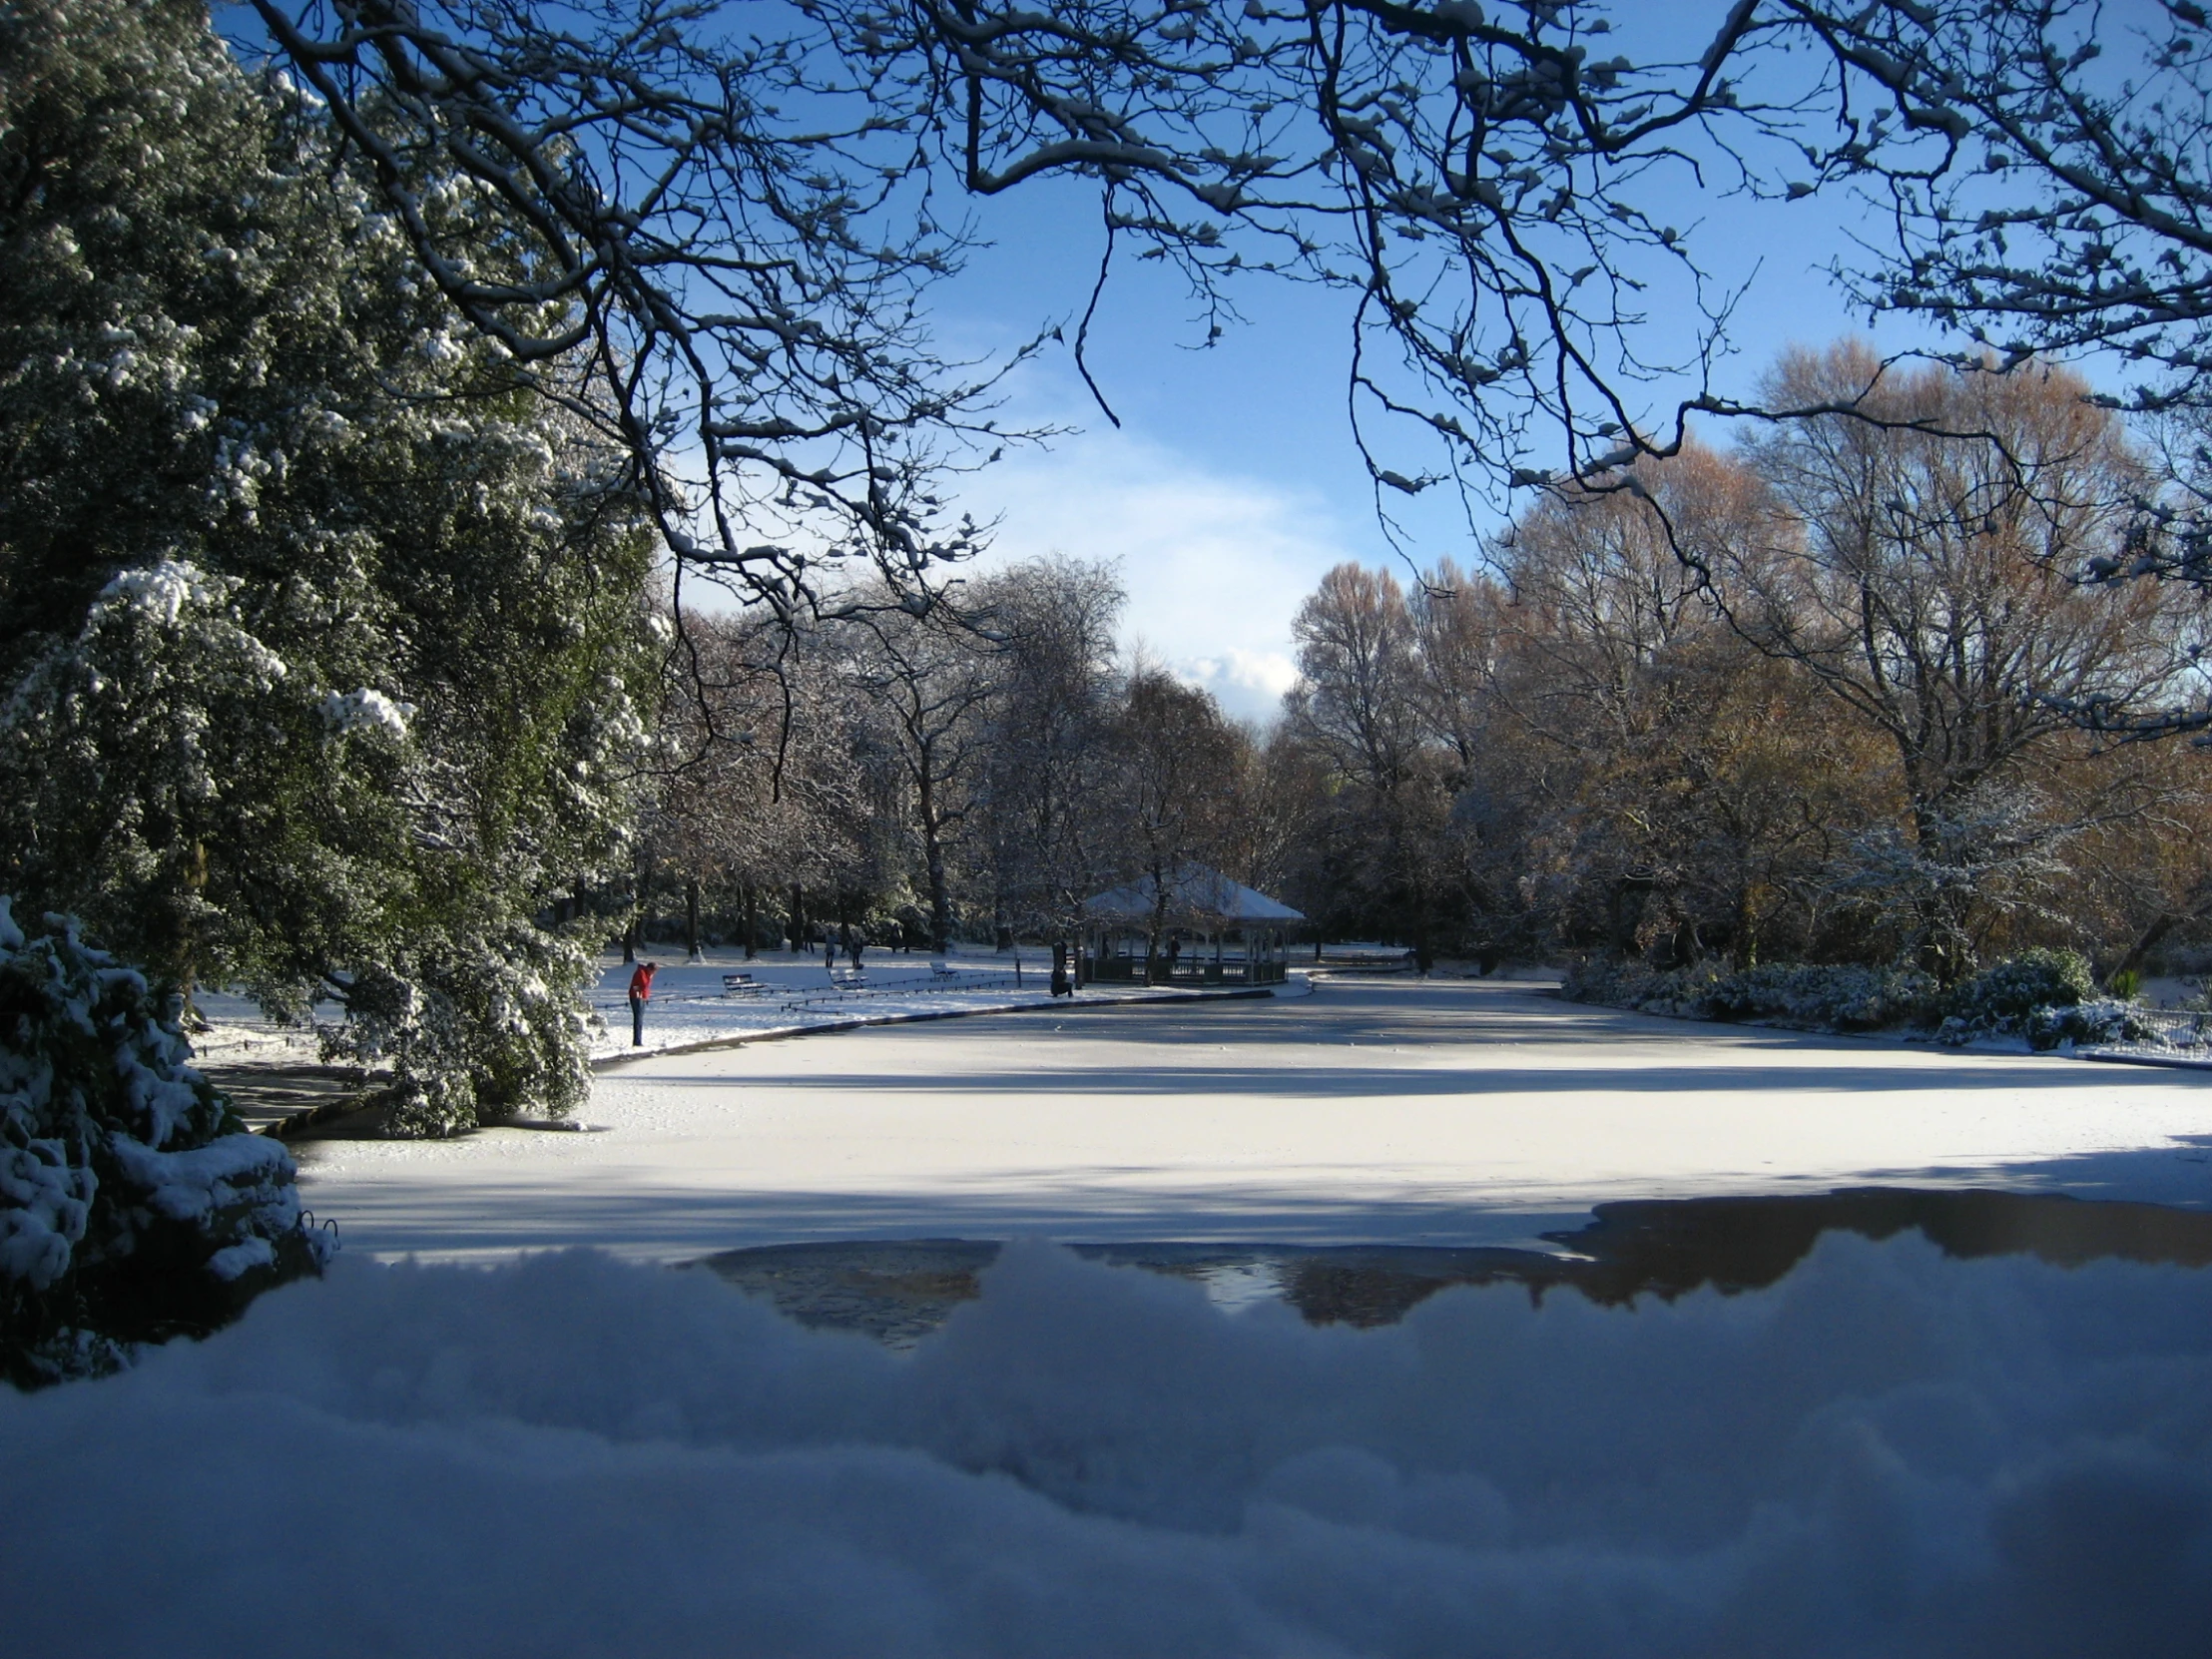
x: 898, y: 1291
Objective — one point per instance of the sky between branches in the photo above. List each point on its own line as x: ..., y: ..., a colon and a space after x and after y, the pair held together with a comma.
x: 1233, y: 484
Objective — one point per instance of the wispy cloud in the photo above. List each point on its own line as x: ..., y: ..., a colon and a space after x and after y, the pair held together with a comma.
x: 1215, y: 564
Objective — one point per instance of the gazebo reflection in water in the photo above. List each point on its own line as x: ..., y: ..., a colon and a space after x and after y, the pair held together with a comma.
x: 1190, y: 926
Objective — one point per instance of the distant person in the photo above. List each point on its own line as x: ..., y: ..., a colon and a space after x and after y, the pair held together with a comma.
x: 1060, y: 984
x: 641, y: 992
x: 856, y: 941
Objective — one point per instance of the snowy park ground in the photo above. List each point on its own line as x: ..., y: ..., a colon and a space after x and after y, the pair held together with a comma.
x: 790, y: 995
x: 490, y: 1451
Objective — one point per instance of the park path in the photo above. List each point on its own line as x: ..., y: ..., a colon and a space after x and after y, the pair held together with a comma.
x: 1445, y: 1112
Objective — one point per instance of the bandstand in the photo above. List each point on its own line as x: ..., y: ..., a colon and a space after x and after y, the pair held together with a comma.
x: 1191, y: 926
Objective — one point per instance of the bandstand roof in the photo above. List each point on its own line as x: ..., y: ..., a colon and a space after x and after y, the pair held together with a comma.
x: 1193, y: 893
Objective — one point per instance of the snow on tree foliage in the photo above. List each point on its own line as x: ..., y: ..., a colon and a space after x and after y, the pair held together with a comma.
x: 322, y: 628
x: 134, y: 1205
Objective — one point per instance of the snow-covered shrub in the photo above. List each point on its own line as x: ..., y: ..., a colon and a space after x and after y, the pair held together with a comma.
x: 1679, y: 992
x: 2046, y: 996
x: 1838, y: 996
x: 1820, y: 996
x: 134, y: 1205
x: 2014, y: 989
x: 2102, y: 1019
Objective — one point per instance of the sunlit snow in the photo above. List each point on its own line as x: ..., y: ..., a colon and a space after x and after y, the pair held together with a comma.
x: 1887, y: 1455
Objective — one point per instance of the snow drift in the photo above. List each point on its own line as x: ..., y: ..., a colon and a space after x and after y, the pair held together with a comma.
x: 1887, y: 1454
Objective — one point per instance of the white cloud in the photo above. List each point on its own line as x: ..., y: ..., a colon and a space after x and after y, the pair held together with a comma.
x: 1238, y: 677
x: 1215, y: 564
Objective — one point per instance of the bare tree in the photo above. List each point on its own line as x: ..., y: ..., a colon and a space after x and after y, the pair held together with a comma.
x: 1665, y: 741
x: 1924, y: 583
x: 1173, y: 791
x: 766, y: 790
x: 706, y: 200
x: 1050, y: 841
x: 929, y: 678
x: 731, y: 215
x: 718, y: 248
x: 1359, y: 707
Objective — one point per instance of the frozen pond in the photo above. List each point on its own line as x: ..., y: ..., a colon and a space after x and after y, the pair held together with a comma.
x: 1446, y: 1114
x: 1952, y: 1423
x: 899, y: 1290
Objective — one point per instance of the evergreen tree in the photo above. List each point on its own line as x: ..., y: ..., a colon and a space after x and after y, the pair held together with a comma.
x: 321, y: 631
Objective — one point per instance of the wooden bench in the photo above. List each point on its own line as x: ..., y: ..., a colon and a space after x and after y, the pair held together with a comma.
x: 848, y: 979
x: 943, y: 970
x: 741, y: 984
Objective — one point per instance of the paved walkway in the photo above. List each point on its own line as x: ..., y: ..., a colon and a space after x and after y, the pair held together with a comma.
x: 1446, y: 1113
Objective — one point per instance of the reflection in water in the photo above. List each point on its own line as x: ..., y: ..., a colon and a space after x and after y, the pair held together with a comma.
x: 898, y: 1291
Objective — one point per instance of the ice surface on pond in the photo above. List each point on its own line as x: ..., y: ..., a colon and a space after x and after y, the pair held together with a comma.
x: 1887, y: 1454
x: 1445, y: 1113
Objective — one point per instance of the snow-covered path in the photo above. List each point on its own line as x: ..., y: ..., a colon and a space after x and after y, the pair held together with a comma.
x: 1459, y: 1112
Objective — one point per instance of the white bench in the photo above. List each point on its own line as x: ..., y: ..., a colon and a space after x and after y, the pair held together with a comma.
x: 741, y: 984
x: 943, y: 970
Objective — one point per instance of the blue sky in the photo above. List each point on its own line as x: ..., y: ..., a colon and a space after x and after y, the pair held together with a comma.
x: 1233, y: 484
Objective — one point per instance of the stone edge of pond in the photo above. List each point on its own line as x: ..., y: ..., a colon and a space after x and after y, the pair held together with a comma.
x: 2123, y: 1057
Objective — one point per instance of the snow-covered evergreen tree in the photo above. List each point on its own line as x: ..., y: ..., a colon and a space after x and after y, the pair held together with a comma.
x: 320, y: 629
x: 134, y: 1205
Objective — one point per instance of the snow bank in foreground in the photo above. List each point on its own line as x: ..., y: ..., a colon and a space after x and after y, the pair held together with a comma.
x: 1888, y: 1454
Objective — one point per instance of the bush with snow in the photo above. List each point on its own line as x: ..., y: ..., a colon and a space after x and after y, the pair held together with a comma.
x: 2047, y: 998
x: 1888, y: 1454
x: 2012, y: 991
x: 1627, y: 984
x: 133, y: 1206
x: 1815, y: 996
x: 1842, y: 996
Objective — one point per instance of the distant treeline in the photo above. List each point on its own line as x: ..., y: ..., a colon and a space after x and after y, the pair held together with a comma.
x: 1833, y: 695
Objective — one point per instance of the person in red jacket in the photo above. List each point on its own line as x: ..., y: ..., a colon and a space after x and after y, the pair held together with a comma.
x: 641, y: 992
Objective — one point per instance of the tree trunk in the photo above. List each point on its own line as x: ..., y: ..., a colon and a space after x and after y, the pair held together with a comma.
x: 2193, y: 909
x: 690, y: 917
x: 1744, y: 941
x: 940, y: 896
x: 752, y: 900
x: 1625, y: 912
